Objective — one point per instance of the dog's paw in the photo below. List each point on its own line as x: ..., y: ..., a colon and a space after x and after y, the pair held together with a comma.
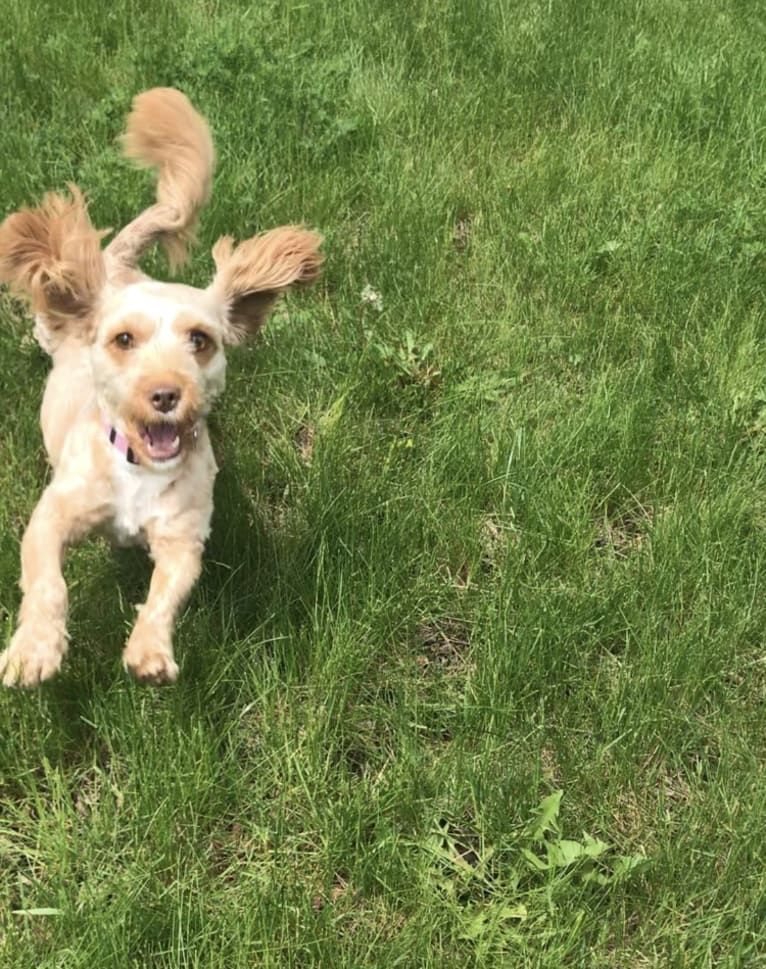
x: 34, y: 655
x: 149, y: 662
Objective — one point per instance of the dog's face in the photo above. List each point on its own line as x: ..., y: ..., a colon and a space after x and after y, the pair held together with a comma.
x: 158, y: 365
x: 157, y: 349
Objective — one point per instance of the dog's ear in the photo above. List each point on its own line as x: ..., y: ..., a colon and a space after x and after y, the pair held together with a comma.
x: 51, y: 255
x: 250, y: 277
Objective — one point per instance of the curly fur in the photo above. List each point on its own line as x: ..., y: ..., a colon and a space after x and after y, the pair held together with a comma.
x: 52, y: 256
x: 139, y: 359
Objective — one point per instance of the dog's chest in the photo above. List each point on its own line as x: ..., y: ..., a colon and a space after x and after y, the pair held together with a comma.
x: 139, y: 496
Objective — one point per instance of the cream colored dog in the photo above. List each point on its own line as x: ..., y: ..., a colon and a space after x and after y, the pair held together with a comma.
x: 137, y: 365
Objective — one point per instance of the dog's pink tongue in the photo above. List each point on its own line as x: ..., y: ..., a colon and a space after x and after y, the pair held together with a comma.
x: 163, y: 441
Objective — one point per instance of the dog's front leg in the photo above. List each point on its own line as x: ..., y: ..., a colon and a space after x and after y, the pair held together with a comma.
x: 40, y: 641
x: 149, y: 651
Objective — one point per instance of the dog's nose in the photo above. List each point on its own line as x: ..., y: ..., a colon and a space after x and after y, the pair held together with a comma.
x: 165, y: 399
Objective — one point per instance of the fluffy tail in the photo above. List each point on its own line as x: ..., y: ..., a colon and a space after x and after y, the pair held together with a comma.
x: 164, y: 131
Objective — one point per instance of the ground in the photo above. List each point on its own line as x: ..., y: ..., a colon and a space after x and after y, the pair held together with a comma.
x: 475, y: 672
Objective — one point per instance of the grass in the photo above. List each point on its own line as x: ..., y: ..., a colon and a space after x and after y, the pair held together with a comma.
x: 490, y: 521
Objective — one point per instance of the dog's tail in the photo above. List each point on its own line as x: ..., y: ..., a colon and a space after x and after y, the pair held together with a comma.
x: 164, y: 131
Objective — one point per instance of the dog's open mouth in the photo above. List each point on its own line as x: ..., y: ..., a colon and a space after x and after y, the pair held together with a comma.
x: 162, y: 441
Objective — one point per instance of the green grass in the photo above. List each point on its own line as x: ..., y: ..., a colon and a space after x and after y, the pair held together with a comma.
x: 496, y: 535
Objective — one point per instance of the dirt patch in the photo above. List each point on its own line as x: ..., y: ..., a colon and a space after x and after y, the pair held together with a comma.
x: 304, y: 442
x: 444, y: 645
x: 624, y: 534
x: 461, y: 234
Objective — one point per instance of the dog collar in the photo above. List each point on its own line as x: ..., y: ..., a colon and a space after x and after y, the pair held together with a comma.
x: 119, y: 441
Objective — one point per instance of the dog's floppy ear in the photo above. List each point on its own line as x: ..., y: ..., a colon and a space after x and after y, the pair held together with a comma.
x: 51, y: 255
x: 250, y: 277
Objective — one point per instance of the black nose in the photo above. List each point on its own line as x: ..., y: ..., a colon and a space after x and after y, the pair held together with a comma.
x: 164, y: 399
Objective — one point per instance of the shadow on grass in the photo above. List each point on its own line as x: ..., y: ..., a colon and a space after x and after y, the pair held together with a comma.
x: 251, y: 598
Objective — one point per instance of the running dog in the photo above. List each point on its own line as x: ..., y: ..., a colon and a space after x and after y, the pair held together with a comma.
x: 137, y: 365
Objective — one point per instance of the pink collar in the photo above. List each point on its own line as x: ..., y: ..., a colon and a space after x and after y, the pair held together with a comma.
x: 119, y: 441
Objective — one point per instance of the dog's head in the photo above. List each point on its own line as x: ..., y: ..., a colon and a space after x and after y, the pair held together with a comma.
x: 157, y: 348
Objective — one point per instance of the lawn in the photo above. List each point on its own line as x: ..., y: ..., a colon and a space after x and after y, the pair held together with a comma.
x: 474, y: 675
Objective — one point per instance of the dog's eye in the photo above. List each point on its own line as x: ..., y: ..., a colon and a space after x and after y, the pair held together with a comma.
x: 199, y: 341
x: 124, y: 340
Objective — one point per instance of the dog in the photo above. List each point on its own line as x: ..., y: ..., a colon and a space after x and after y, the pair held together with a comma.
x: 137, y: 365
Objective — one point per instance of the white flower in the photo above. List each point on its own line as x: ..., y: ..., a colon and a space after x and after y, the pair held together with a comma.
x: 373, y: 298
